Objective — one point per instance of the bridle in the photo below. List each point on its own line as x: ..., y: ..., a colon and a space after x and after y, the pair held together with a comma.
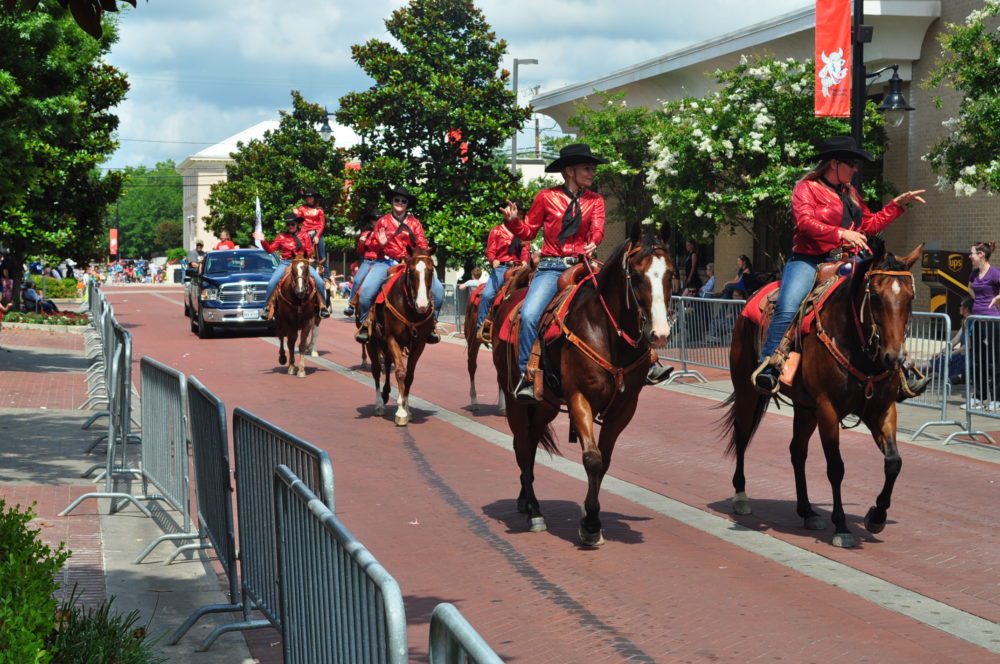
x: 871, y: 344
x: 410, y: 301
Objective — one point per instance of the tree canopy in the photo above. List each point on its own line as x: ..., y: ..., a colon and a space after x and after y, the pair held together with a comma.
x: 56, y: 126
x: 152, y: 197
x: 439, y: 111
x: 86, y: 13
x: 730, y: 159
x: 279, y: 168
x: 967, y: 157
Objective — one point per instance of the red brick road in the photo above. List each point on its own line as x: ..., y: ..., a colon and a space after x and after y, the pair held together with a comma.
x: 433, y: 503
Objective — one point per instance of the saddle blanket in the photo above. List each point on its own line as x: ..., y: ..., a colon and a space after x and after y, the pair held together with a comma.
x: 759, y: 309
x: 393, y: 278
x: 477, y: 295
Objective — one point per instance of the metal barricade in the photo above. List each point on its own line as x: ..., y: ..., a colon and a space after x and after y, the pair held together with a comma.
x: 982, y: 390
x: 165, y: 458
x: 928, y: 346
x: 454, y: 641
x: 214, y: 489
x: 449, y: 308
x: 338, y: 604
x: 259, y: 447
x: 701, y: 335
x: 120, y: 386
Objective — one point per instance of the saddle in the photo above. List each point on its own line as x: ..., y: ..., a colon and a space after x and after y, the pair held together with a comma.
x: 272, y: 303
x: 514, y: 279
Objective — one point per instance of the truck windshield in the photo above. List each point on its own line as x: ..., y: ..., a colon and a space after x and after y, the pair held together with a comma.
x: 241, y: 263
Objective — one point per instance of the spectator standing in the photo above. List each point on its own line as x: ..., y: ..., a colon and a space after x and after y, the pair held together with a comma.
x: 692, y: 282
x: 195, y: 255
x: 984, y: 287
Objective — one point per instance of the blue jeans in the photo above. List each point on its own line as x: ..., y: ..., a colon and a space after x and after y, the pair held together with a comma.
x: 359, y: 276
x: 543, y: 286
x: 321, y: 256
x: 377, y: 275
x: 490, y: 293
x: 797, y: 281
x: 279, y: 272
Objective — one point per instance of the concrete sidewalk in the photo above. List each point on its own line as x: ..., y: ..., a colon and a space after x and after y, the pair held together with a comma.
x: 43, y: 453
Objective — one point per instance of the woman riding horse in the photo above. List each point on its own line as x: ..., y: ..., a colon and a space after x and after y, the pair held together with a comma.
x: 395, y: 235
x: 503, y: 251
x: 572, y: 220
x: 290, y: 243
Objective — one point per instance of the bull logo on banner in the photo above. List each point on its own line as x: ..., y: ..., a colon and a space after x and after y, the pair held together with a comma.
x: 833, y: 72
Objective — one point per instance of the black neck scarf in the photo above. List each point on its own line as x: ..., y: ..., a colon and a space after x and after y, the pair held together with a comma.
x: 403, y: 227
x: 572, y: 217
x: 852, y: 212
x: 298, y: 241
x: 515, y: 248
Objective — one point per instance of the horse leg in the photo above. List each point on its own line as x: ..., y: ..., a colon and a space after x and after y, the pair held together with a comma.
x: 292, y: 338
x: 313, y: 338
x: 803, y: 426
x: 502, y: 403
x: 746, y: 410
x: 829, y: 433
x: 472, y: 353
x: 404, y: 378
x: 304, y: 335
x: 884, y: 431
x: 527, y: 434
x: 582, y: 419
x: 281, y: 348
x: 377, y: 376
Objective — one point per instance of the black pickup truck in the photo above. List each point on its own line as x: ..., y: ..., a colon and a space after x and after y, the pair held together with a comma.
x: 227, y: 290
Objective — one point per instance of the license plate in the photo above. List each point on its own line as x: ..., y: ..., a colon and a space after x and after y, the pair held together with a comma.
x: 251, y: 314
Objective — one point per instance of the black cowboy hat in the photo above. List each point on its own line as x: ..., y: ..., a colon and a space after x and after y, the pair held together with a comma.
x: 841, y: 147
x: 577, y: 153
x: 401, y: 191
x: 310, y: 192
x: 372, y: 215
x: 292, y: 218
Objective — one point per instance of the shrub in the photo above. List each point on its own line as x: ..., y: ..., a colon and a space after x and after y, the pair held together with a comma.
x: 60, y: 318
x: 56, y: 287
x: 95, y: 636
x: 27, y: 582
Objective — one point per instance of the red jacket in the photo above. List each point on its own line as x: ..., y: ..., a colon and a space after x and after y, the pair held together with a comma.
x: 397, y: 244
x: 364, y: 251
x: 285, y: 243
x: 313, y: 219
x: 225, y: 244
x: 498, y: 246
x: 547, y: 213
x: 818, y: 212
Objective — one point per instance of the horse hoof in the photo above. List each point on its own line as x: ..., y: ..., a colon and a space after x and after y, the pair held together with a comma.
x: 591, y: 539
x: 402, y: 421
x: 474, y: 407
x: 379, y: 410
x: 741, y: 504
x: 314, y: 354
x: 301, y: 374
x: 291, y: 370
x: 814, y: 523
x: 844, y: 540
x: 871, y: 525
x: 503, y: 411
x: 536, y: 524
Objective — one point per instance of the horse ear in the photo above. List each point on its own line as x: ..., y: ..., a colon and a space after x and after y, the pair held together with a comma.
x: 665, y: 230
x: 913, y: 256
x: 633, y: 231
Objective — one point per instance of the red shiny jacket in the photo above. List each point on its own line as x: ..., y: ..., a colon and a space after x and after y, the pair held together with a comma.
x: 818, y: 211
x: 364, y: 250
x: 285, y: 243
x: 224, y: 244
x: 397, y: 244
x: 313, y: 219
x: 547, y: 213
x: 498, y: 246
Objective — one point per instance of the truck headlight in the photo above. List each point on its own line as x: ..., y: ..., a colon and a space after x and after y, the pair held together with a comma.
x: 210, y: 294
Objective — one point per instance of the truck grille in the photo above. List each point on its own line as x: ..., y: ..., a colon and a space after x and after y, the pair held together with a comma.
x: 243, y: 293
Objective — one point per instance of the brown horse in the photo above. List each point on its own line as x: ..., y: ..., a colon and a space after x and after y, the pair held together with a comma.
x: 849, y: 366
x: 401, y: 325
x: 296, y: 314
x: 601, y: 358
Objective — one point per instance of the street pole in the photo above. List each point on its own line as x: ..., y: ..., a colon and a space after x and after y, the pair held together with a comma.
x: 860, y: 35
x: 513, y: 140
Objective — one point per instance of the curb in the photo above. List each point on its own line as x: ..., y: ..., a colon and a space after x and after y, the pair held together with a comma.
x: 71, y: 329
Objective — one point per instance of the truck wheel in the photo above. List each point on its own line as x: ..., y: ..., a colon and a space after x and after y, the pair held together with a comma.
x: 204, y: 330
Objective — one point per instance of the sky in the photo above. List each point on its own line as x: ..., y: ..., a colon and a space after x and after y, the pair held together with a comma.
x: 203, y: 70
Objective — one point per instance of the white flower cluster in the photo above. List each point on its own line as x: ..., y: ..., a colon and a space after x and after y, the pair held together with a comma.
x: 963, y: 188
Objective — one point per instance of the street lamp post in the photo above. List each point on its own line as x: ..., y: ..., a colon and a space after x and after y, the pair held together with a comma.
x: 326, y: 131
x: 513, y: 140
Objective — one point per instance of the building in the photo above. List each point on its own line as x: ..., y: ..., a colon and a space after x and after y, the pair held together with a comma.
x: 905, y: 33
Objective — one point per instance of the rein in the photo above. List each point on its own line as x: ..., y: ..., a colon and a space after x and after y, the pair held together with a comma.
x: 408, y: 299
x: 310, y: 287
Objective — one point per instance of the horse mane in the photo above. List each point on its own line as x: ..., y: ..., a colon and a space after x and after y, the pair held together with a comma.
x: 880, y: 257
x: 649, y: 244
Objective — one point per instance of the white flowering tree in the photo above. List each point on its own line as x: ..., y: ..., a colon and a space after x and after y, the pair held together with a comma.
x: 729, y: 161
x: 967, y: 158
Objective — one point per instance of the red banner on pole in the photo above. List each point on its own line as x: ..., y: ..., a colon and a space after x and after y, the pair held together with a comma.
x: 114, y: 242
x: 833, y: 56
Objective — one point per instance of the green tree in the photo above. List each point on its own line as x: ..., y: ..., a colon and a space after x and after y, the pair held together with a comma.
x: 729, y: 161
x: 86, y: 13
x: 439, y: 110
x: 56, y: 126
x: 966, y: 158
x: 621, y: 134
x: 168, y: 235
x: 151, y: 196
x: 278, y: 167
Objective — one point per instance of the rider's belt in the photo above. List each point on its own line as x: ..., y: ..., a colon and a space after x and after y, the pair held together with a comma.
x: 568, y: 261
x: 835, y: 255
x: 509, y: 263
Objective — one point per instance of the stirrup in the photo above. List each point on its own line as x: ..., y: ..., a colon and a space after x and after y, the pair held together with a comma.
x: 525, y: 389
x: 766, y: 378
x: 363, y: 334
x: 657, y: 374
x: 324, y: 312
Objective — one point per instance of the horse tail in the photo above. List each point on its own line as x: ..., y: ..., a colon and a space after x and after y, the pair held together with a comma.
x: 547, y: 440
x: 740, y: 433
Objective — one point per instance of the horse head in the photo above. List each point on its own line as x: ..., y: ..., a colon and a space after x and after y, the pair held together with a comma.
x: 882, y: 299
x: 419, y: 277
x: 302, y: 282
x: 644, y: 267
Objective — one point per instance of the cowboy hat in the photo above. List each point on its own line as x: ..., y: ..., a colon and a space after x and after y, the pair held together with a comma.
x: 310, y: 192
x: 577, y: 153
x: 292, y: 218
x: 373, y: 214
x: 841, y: 147
x: 401, y: 191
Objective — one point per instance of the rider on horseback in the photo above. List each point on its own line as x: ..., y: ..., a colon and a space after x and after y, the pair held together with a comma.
x: 368, y: 256
x: 829, y: 216
x: 503, y: 251
x: 314, y: 224
x: 289, y: 243
x: 393, y: 237
x: 572, y: 221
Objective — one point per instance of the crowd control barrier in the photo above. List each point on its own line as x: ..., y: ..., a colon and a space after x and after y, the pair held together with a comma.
x: 165, y: 458
x: 120, y: 399
x: 454, y: 640
x: 928, y: 346
x: 259, y: 448
x: 338, y: 604
x: 701, y: 335
x: 982, y: 390
x: 214, y: 489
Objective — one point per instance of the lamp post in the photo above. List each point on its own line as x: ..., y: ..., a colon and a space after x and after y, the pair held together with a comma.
x: 513, y: 140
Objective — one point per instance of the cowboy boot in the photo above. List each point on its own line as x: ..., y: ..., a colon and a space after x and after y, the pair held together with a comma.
x: 767, y: 377
x: 364, y: 332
